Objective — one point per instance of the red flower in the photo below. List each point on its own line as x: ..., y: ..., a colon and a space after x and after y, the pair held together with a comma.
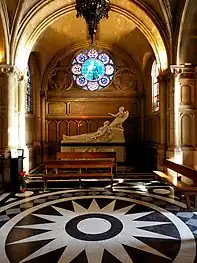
x: 22, y: 173
x: 23, y: 189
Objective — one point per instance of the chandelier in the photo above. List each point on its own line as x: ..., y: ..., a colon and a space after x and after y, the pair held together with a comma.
x: 92, y: 11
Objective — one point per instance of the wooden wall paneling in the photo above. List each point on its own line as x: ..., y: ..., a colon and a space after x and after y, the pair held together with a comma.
x: 83, y: 126
x: 72, y: 127
x: 58, y: 131
x: 56, y: 108
x: 92, y: 125
x: 52, y: 131
x: 63, y: 129
x: 100, y: 108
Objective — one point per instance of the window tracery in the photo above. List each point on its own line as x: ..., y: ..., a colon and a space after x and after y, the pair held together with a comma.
x: 92, y: 69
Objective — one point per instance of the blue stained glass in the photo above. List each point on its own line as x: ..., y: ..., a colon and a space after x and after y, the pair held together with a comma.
x: 81, y: 80
x: 81, y: 58
x: 104, y: 58
x: 104, y: 81
x: 93, y: 69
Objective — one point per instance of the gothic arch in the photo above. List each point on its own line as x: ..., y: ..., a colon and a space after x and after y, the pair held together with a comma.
x: 38, y: 20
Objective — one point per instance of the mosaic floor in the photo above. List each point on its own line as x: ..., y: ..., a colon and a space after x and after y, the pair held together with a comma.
x: 137, y: 222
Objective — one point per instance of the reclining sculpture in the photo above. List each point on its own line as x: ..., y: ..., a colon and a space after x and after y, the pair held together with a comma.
x: 109, y: 132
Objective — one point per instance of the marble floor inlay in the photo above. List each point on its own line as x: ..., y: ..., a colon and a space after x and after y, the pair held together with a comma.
x: 94, y: 225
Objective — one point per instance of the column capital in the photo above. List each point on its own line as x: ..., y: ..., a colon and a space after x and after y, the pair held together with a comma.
x: 11, y: 70
x: 187, y: 70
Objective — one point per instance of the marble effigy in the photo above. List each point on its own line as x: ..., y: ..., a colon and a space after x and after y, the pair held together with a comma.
x: 109, y: 132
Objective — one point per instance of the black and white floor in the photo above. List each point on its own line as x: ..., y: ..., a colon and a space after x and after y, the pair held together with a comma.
x: 134, y: 223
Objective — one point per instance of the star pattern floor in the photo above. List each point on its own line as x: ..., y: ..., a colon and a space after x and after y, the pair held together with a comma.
x: 94, y: 225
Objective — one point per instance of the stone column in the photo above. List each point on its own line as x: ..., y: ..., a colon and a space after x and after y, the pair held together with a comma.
x: 170, y: 117
x: 21, y: 101
x: 161, y: 153
x: 185, y: 110
x: 9, y: 75
x: 22, y: 121
x: 8, y: 79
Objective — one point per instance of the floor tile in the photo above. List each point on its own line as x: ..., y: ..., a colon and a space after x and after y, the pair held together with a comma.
x: 94, y: 225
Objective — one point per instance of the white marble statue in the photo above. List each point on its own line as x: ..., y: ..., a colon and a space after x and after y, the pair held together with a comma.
x: 121, y: 116
x: 109, y: 132
x: 103, y: 133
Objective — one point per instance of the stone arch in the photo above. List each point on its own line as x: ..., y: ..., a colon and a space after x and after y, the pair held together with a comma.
x: 187, y: 42
x: 40, y: 19
x: 4, y: 35
x: 147, y: 61
x: 72, y: 49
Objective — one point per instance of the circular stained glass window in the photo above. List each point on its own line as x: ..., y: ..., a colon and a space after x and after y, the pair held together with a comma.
x: 92, y: 69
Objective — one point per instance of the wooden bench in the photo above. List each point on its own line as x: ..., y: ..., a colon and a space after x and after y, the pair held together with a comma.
x: 89, y: 156
x: 78, y: 164
x: 188, y: 190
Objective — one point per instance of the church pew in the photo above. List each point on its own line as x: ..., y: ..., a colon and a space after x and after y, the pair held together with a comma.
x: 78, y: 164
x: 89, y: 156
x: 188, y: 190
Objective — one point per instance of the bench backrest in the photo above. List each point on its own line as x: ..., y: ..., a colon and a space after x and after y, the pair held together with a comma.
x: 180, y: 169
x: 86, y: 155
x: 78, y: 164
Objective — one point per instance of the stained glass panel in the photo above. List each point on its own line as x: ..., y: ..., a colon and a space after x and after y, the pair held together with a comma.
x: 92, y: 69
x: 28, y: 92
x: 155, y: 86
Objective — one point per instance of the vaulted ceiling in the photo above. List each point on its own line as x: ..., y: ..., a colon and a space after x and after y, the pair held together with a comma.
x: 175, y: 19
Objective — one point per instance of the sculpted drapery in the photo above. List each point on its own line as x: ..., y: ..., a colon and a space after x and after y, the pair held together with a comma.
x: 106, y: 133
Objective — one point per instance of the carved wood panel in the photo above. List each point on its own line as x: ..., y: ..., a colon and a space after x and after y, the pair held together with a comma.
x: 81, y: 107
x: 56, y: 128
x: 52, y: 131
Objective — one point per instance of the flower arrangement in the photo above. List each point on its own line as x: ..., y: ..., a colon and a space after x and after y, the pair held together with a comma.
x: 23, y: 180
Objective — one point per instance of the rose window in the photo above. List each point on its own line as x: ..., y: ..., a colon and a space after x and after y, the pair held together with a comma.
x: 92, y: 69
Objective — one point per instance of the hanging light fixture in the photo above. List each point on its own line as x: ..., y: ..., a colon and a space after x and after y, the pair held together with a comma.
x: 92, y: 11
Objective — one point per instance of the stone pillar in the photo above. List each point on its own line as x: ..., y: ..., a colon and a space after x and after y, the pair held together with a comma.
x: 185, y: 110
x: 161, y: 152
x: 9, y: 75
x: 22, y: 121
x: 170, y: 116
x: 9, y: 81
x: 21, y: 101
